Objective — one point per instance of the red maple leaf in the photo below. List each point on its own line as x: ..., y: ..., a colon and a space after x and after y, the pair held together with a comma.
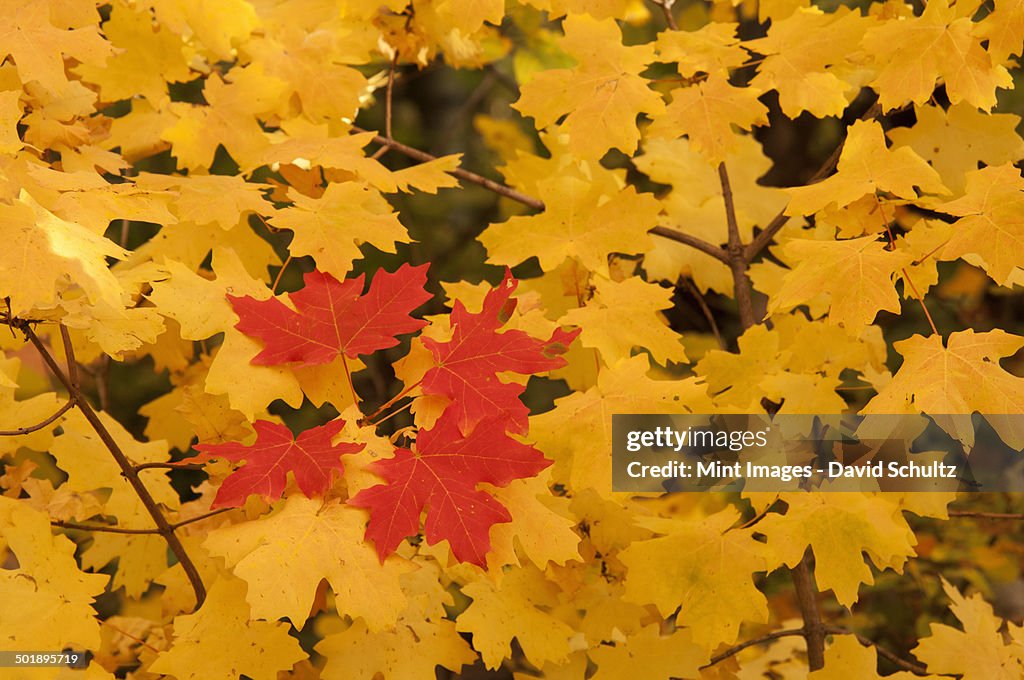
x: 333, y: 317
x: 468, y: 365
x: 442, y: 476
x: 311, y: 458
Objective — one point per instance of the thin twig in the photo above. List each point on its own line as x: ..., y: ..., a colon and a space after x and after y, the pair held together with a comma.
x: 666, y: 9
x: 1017, y: 516
x: 68, y: 405
x: 200, y: 518
x: 695, y: 292
x: 389, y: 402
x: 762, y: 240
x: 114, y: 529
x: 899, y: 662
x: 387, y: 108
x: 102, y: 528
x: 163, y: 527
x: 733, y: 651
x: 169, y: 465
x: 466, y: 175
x: 69, y: 356
x: 535, y: 203
x: 686, y: 239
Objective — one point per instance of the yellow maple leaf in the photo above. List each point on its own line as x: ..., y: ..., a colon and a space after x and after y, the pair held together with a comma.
x: 541, y: 526
x: 866, y: 166
x: 422, y: 640
x: 626, y: 314
x: 331, y: 228
x: 600, y: 97
x: 250, y: 388
x: 311, y: 541
x: 220, y: 641
x: 45, y: 587
x: 43, y: 255
x: 706, y: 113
x: 1004, y: 29
x: 839, y: 527
x: 10, y: 114
x: 224, y: 200
x: 37, y: 45
x: 713, y: 48
x: 954, y: 141
x: 649, y: 654
x: 218, y: 27
x: 229, y: 119
x: 89, y: 465
x: 913, y: 53
x: 577, y: 432
x: 991, y: 223
x: 146, y: 59
x: 576, y: 223
x: 960, y: 377
x: 977, y: 652
x: 511, y: 609
x: 811, y: 58
x: 847, y: 659
x: 857, y: 274
x: 199, y: 305
x: 701, y: 568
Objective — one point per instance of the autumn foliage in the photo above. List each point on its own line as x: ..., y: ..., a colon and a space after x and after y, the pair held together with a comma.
x: 311, y: 363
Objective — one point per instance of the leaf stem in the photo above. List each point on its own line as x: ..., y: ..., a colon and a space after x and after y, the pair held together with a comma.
x: 280, y: 273
x: 391, y: 401
x: 348, y: 376
x: 68, y: 405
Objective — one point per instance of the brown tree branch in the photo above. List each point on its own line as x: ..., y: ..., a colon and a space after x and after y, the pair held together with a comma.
x: 686, y: 239
x: 737, y: 259
x: 170, y: 466
x: 807, y: 598
x: 164, y: 528
x: 899, y: 662
x: 766, y: 235
x: 114, y: 529
x: 466, y: 175
x: 733, y: 651
x: 535, y: 203
x: 666, y: 9
x: 38, y: 426
x: 1016, y: 516
x: 102, y: 528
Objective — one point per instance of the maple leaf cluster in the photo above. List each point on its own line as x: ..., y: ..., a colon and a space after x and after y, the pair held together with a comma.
x: 468, y: 445
x: 770, y: 206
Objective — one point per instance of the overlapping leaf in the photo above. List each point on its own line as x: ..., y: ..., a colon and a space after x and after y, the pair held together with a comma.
x: 310, y: 457
x: 468, y: 365
x: 442, y: 476
x: 333, y: 317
